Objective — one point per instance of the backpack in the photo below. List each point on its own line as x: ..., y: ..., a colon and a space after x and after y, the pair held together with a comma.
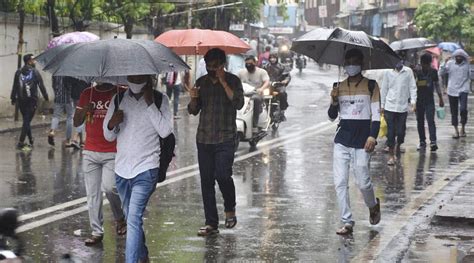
x: 167, y: 144
x: 27, y: 82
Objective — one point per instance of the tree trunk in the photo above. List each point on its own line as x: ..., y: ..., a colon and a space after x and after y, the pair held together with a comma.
x: 128, y: 26
x: 53, y: 19
x: 19, y: 51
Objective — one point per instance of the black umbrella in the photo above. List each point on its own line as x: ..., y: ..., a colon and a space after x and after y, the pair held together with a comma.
x: 412, y: 43
x: 330, y: 45
x: 111, y: 58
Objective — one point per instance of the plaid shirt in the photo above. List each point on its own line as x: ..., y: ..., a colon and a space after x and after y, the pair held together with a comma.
x: 217, y: 112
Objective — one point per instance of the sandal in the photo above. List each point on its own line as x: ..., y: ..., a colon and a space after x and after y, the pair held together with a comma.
x: 93, y: 240
x: 456, y: 136
x: 463, y: 135
x: 391, y: 161
x: 231, y: 221
x: 121, y: 227
x: 207, y: 231
x: 347, y: 229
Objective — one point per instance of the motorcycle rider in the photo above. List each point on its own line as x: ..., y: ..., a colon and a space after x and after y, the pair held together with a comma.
x: 277, y: 73
x: 259, y: 79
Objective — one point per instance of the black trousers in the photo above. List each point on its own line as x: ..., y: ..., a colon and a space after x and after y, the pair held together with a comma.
x: 458, y: 104
x: 426, y: 110
x: 27, y: 110
x: 215, y: 164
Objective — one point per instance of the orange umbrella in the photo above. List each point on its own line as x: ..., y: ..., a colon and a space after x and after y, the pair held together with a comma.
x: 199, y: 41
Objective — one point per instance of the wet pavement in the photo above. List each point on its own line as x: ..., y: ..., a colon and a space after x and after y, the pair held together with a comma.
x: 286, y: 203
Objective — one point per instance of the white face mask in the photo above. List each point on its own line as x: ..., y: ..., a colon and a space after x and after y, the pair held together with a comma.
x: 136, y: 88
x: 353, y: 70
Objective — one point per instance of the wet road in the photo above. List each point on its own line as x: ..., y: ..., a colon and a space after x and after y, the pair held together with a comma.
x: 286, y: 203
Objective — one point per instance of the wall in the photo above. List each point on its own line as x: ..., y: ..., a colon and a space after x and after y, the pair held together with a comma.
x: 36, y: 35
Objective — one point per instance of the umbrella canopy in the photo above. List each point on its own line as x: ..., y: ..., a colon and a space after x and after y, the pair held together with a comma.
x: 412, y: 43
x: 449, y: 46
x: 71, y: 38
x: 199, y: 41
x: 434, y: 50
x: 111, y: 58
x: 330, y: 45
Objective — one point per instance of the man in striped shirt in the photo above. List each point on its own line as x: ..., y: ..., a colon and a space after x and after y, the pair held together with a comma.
x: 356, y: 101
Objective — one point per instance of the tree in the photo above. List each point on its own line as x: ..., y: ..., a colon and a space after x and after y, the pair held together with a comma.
x: 448, y: 21
x: 53, y: 19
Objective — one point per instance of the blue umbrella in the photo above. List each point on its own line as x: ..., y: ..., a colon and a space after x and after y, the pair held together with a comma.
x: 449, y: 46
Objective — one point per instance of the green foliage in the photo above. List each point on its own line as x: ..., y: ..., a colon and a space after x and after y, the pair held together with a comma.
x: 450, y: 20
x: 30, y: 6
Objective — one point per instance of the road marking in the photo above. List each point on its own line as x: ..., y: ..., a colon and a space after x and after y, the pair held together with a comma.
x: 323, y: 126
x: 392, y: 228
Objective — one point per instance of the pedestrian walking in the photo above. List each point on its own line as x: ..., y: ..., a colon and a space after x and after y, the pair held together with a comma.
x: 397, y: 95
x: 458, y: 71
x: 356, y: 101
x: 427, y: 82
x: 98, y: 160
x: 216, y: 97
x: 62, y: 103
x: 137, y: 123
x: 24, y: 93
x: 175, y: 83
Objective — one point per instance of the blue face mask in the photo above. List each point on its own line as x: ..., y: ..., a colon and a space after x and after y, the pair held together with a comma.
x: 353, y: 70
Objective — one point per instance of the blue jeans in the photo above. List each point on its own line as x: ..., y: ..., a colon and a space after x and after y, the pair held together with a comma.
x: 59, y: 108
x: 428, y: 110
x: 396, y: 127
x: 174, y: 91
x: 134, y: 194
x: 215, y: 164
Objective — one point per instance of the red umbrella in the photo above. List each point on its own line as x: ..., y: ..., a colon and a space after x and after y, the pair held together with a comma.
x: 199, y: 41
x: 434, y: 50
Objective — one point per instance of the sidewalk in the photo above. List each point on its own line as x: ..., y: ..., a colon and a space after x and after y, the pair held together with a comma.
x: 10, y: 125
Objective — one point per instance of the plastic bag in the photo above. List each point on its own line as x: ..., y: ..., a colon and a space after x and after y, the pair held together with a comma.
x: 383, y: 127
x: 441, y: 113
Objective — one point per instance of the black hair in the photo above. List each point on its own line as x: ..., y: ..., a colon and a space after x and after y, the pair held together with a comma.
x: 426, y: 58
x: 268, y: 48
x: 27, y: 58
x: 357, y: 53
x: 251, y: 58
x: 215, y: 54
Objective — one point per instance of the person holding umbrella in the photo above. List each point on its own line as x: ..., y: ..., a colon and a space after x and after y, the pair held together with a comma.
x: 356, y: 101
x: 137, y: 124
x: 458, y: 88
x: 216, y: 97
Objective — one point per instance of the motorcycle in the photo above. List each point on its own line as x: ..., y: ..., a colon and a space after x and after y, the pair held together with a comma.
x: 270, y: 117
x: 11, y: 246
x: 300, y: 63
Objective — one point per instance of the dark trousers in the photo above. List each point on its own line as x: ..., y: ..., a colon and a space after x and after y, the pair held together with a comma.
x: 174, y: 91
x: 215, y: 164
x: 428, y: 110
x: 396, y: 126
x: 257, y: 108
x: 283, y: 97
x: 27, y: 110
x: 458, y: 104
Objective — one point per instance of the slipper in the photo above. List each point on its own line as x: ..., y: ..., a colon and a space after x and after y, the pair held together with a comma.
x: 207, y: 231
x: 347, y: 229
x: 463, y: 135
x: 121, y: 227
x: 456, y: 136
x: 391, y: 161
x: 230, y: 222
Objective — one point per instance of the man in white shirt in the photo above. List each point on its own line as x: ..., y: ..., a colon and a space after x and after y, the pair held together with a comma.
x: 137, y: 125
x: 259, y: 79
x: 398, y: 87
